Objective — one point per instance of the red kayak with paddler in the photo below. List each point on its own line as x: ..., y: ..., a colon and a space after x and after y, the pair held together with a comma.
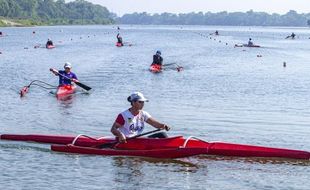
x: 171, y: 147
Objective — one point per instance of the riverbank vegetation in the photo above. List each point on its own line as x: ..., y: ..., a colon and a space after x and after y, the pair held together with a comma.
x: 50, y: 12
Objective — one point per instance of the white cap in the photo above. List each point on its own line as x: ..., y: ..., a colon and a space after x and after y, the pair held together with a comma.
x: 67, y: 65
x: 137, y: 96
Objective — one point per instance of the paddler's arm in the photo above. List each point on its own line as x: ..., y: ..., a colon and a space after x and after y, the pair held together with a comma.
x: 157, y: 124
x: 114, y: 130
x: 54, y: 71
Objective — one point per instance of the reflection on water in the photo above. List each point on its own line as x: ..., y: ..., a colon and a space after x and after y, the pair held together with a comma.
x: 255, y: 160
x: 139, y: 172
x: 67, y: 100
x: 23, y: 146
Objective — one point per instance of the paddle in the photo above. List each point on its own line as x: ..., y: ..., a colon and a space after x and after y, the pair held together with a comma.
x: 127, y: 44
x: 168, y: 64
x: 179, y: 68
x: 77, y: 83
x: 111, y: 144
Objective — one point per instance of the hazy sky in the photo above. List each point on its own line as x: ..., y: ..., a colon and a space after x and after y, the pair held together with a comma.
x: 185, y: 6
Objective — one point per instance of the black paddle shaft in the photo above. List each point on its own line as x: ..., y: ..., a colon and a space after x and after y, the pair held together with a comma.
x: 110, y: 144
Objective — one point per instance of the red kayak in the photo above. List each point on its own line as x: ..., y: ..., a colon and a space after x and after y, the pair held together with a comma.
x: 119, y: 44
x: 172, y: 147
x: 152, y: 153
x: 65, y: 90
x: 50, y: 46
x: 155, y: 68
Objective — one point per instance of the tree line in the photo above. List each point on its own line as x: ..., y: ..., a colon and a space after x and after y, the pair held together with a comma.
x: 51, y: 12
x: 249, y: 18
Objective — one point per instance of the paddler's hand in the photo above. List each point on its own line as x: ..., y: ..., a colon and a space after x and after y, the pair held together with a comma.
x: 53, y: 70
x: 122, y: 138
x: 74, y: 80
x: 166, y: 127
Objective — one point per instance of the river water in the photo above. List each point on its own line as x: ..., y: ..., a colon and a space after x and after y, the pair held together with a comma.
x: 239, y: 95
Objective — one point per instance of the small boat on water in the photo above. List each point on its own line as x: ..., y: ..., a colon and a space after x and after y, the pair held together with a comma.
x: 171, y: 147
x: 155, y: 68
x: 119, y: 44
x: 50, y: 46
x: 65, y: 90
x: 246, y: 45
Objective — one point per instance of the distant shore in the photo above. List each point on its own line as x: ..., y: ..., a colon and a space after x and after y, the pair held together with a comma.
x: 11, y: 22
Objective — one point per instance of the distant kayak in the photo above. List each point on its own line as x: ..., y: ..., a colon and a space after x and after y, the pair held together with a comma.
x: 50, y: 46
x: 119, y: 44
x: 65, y: 90
x: 246, y: 45
x: 155, y: 68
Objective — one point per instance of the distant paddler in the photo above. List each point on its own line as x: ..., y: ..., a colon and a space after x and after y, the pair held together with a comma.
x: 119, y: 40
x: 215, y: 33
x: 157, y: 59
x: 157, y: 63
x: 291, y: 36
x: 250, y: 43
x: 49, y: 43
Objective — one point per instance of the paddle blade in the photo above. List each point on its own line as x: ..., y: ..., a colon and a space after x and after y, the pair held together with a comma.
x: 23, y: 91
x: 179, y: 69
x: 85, y: 87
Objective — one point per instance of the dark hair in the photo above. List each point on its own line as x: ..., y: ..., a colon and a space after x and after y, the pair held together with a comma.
x: 129, y: 99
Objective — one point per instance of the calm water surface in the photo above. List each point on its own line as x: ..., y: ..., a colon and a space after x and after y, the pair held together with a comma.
x: 240, y: 95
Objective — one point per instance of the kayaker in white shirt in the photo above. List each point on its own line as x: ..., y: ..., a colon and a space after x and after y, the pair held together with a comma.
x: 131, y: 121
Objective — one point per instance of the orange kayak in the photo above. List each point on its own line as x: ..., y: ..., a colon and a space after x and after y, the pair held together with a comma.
x: 155, y: 68
x: 65, y: 90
